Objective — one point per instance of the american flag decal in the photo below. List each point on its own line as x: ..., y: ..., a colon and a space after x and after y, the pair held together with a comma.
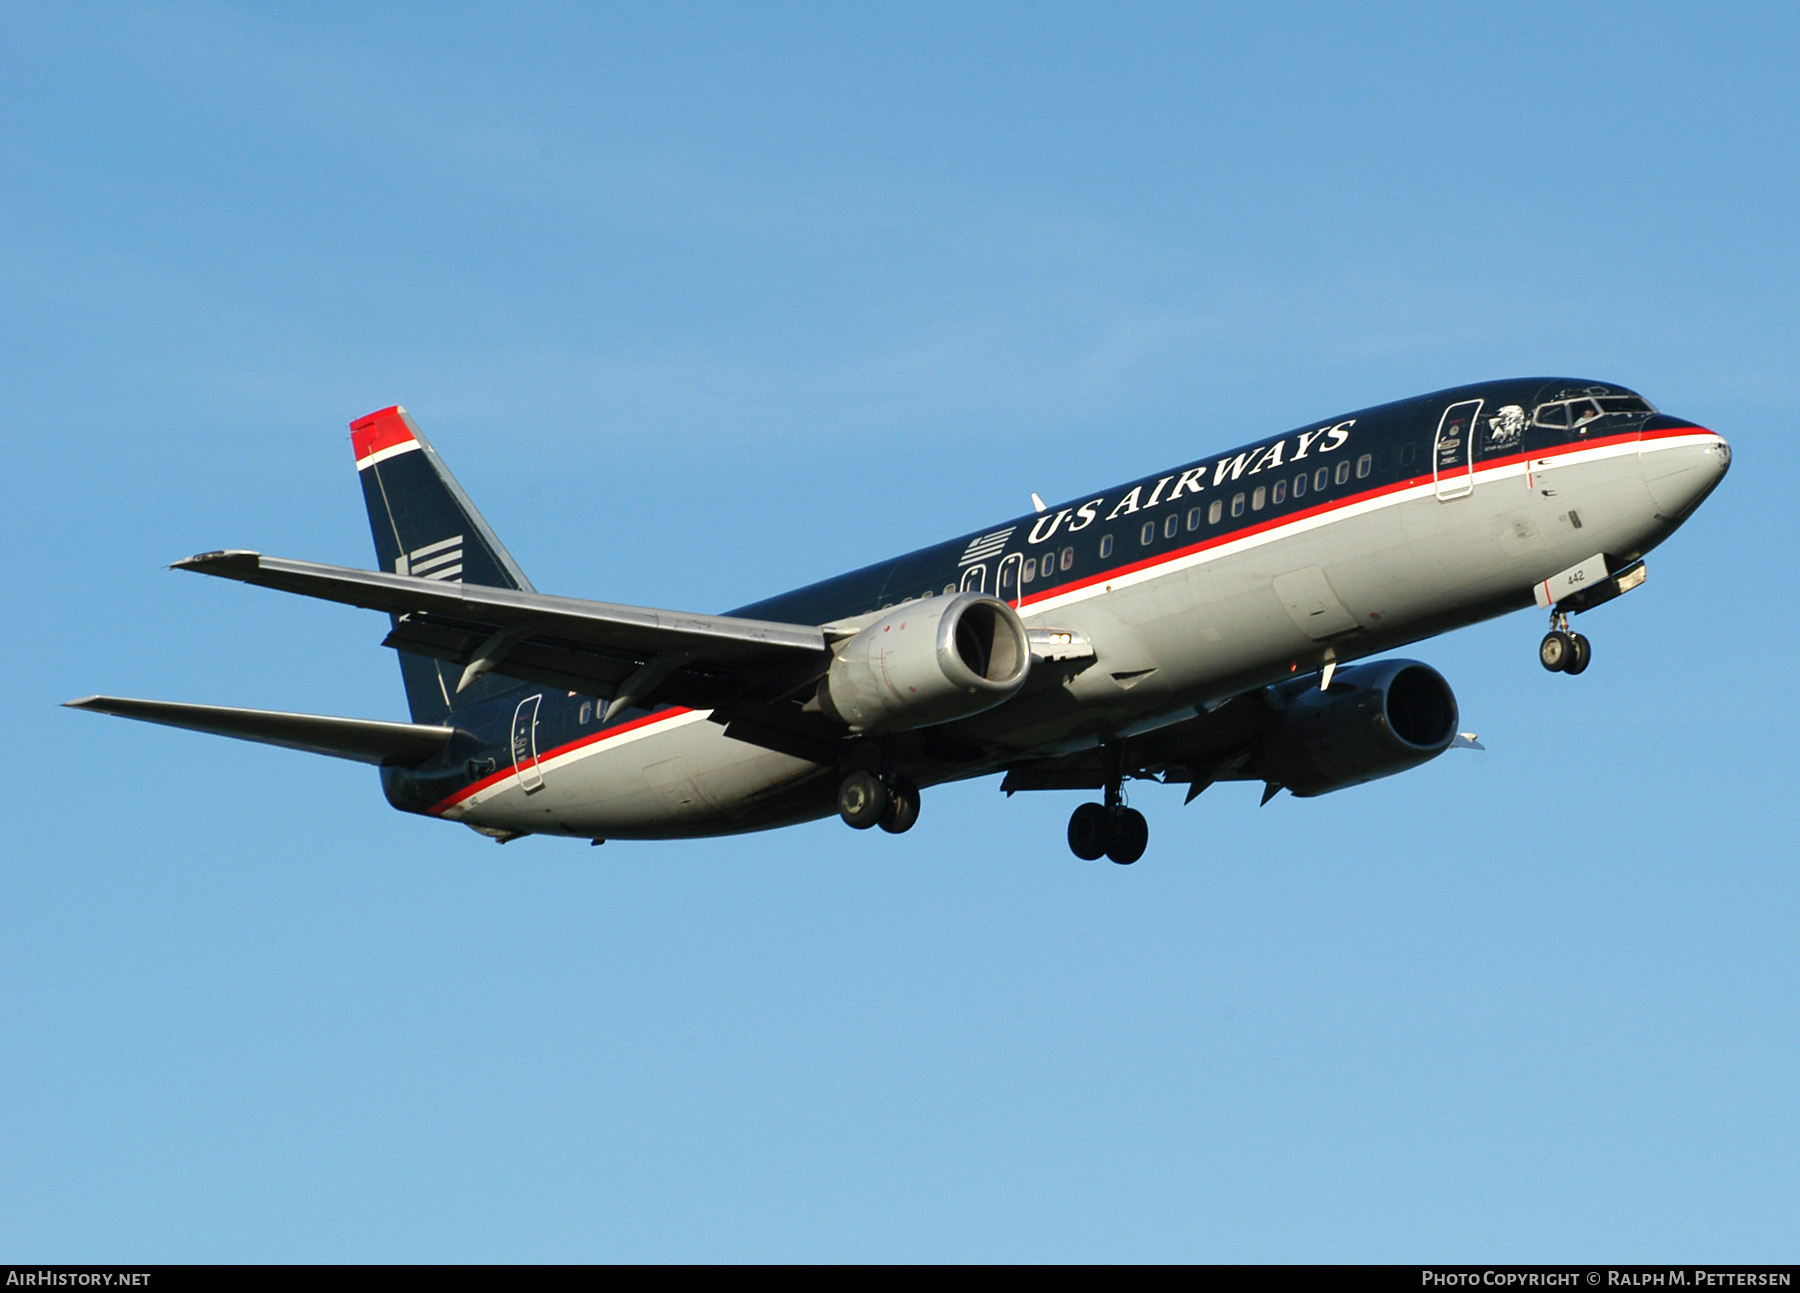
x: 985, y: 546
x: 440, y: 560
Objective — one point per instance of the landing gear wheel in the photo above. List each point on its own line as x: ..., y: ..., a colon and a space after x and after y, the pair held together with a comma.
x: 1090, y: 831
x: 862, y: 800
x: 1130, y: 837
x: 1556, y: 650
x: 902, y: 806
x: 1579, y: 654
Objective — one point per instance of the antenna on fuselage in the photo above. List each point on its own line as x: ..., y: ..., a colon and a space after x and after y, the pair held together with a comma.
x: 1038, y: 503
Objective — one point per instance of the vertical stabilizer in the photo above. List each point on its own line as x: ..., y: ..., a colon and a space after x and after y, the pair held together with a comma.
x: 425, y: 525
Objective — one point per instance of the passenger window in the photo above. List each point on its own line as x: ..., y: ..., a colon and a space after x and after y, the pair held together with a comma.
x: 1030, y: 569
x: 587, y: 712
x: 1365, y: 465
x: 1106, y: 546
x: 1214, y: 512
x: 1321, y: 478
x: 1194, y: 517
x: 1343, y: 472
x: 1552, y: 415
x: 1300, y: 485
x: 1047, y: 564
x: 1237, y: 504
x: 1257, y: 499
x: 1172, y: 526
x: 1068, y: 558
x: 1407, y: 455
x: 1280, y: 495
x: 1148, y: 532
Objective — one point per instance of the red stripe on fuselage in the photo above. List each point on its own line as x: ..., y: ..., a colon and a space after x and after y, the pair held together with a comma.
x: 1349, y: 500
x: 593, y: 738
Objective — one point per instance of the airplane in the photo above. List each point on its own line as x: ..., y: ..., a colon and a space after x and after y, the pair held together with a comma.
x: 1215, y: 621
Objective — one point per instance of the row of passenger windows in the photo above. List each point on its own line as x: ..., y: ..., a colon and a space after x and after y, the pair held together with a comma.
x: 1261, y: 497
x: 1255, y: 500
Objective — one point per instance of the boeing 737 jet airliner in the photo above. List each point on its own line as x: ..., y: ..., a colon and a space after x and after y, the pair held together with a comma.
x: 1212, y: 622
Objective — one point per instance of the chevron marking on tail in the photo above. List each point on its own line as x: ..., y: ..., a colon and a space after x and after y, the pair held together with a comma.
x: 440, y: 560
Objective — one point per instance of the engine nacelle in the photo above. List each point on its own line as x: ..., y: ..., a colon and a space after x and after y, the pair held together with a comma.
x: 931, y: 661
x: 1377, y: 719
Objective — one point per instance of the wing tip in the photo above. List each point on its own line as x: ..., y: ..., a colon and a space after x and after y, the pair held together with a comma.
x: 221, y: 561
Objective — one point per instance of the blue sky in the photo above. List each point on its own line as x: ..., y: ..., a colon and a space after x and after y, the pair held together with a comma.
x: 705, y: 302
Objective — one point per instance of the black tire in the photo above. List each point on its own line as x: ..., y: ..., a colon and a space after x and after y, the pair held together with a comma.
x: 861, y: 800
x: 1579, y: 655
x: 902, y: 807
x: 1090, y: 831
x: 1554, y: 651
x: 1130, y: 837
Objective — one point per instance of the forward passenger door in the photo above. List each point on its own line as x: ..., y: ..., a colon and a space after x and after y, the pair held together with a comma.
x: 1453, y: 452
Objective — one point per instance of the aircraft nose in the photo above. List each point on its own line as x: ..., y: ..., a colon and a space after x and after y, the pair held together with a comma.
x: 1681, y: 470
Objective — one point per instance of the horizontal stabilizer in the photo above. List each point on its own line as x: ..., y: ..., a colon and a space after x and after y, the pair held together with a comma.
x: 367, y: 740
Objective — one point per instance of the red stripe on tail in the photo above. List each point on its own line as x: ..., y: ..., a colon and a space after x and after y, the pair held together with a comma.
x: 380, y: 430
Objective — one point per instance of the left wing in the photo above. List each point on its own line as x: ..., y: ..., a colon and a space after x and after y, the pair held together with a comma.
x: 624, y: 654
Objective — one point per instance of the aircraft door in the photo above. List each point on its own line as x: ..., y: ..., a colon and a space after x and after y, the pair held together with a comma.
x: 1453, y: 452
x: 974, y: 579
x: 1008, y: 579
x: 524, y: 744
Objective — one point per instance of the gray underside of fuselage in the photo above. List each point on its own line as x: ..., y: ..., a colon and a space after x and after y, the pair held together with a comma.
x: 1193, y: 631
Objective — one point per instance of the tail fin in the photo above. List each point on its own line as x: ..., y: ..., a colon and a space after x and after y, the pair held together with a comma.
x: 425, y: 525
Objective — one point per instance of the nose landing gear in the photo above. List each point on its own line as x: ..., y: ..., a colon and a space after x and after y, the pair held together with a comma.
x: 1562, y: 651
x: 1109, y: 830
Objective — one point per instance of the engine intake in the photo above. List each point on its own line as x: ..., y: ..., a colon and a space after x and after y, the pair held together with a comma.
x: 1377, y: 719
x: 927, y: 662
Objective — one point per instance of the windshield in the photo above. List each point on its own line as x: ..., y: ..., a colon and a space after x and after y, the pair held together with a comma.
x: 1581, y: 411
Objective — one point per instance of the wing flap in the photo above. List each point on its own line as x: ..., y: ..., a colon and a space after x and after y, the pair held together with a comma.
x: 365, y: 740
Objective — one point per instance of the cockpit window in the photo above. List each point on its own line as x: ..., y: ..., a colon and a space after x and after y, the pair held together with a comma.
x: 1580, y: 412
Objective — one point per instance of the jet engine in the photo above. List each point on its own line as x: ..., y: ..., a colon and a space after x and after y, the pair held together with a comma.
x: 931, y: 661
x: 1377, y: 719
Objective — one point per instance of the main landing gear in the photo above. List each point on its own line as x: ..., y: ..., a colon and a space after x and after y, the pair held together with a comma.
x: 890, y: 802
x: 1562, y: 651
x: 1110, y: 829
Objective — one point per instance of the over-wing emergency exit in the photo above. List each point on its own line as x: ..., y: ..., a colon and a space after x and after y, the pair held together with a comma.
x: 1213, y: 622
